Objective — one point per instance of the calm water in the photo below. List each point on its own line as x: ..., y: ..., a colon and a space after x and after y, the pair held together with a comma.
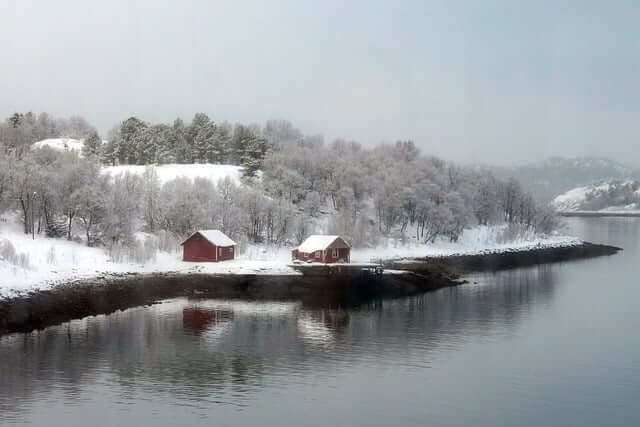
x: 553, y: 345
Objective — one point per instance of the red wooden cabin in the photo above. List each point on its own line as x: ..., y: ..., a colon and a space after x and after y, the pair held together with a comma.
x: 208, y: 246
x: 325, y: 249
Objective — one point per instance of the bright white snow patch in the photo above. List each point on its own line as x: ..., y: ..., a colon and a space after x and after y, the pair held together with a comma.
x: 60, y: 144
x: 57, y: 261
x: 477, y: 240
x: 166, y: 173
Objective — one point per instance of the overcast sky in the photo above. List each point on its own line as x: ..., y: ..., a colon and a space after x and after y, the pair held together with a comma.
x: 488, y: 81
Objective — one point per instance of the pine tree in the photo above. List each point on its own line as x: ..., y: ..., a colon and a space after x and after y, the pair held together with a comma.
x: 109, y: 154
x: 219, y: 148
x: 92, y: 146
x: 181, y: 150
x: 200, y: 135
x: 127, y: 147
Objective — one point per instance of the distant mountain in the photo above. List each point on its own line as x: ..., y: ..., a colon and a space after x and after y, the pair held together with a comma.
x: 611, y: 195
x: 554, y: 176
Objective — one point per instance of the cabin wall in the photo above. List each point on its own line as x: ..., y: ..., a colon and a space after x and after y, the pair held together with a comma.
x: 226, y: 253
x: 343, y: 255
x: 198, y: 249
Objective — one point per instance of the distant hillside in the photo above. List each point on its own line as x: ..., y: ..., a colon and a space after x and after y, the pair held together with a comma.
x: 549, y: 178
x: 612, y: 195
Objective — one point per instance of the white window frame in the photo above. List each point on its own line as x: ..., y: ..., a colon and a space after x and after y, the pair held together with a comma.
x: 318, y: 254
x: 334, y: 253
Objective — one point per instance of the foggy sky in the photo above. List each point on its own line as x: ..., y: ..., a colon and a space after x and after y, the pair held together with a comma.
x: 487, y: 81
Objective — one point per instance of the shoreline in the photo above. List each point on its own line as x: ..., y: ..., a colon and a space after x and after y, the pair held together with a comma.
x: 107, y: 294
x: 599, y: 214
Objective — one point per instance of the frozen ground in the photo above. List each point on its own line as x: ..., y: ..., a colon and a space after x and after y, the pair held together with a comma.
x: 477, y: 240
x: 61, y: 144
x: 191, y: 171
x: 44, y: 262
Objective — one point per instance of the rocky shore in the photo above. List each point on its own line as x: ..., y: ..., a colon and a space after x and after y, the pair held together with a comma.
x: 411, y: 276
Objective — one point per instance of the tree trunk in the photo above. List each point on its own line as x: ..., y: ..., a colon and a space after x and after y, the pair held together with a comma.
x: 25, y: 213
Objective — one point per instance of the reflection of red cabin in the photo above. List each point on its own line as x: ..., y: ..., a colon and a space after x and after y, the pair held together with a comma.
x: 208, y: 245
x: 320, y: 248
x: 200, y: 319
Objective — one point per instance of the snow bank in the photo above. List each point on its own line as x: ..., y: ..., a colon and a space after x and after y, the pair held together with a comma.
x: 49, y: 262
x: 168, y: 172
x: 478, y: 240
x: 57, y: 261
x: 60, y: 144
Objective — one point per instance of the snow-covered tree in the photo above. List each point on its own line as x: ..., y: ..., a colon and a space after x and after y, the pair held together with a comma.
x: 92, y: 146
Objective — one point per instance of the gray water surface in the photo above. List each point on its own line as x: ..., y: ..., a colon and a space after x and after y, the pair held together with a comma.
x: 555, y: 345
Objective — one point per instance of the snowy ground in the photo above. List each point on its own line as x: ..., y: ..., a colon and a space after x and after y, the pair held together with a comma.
x: 53, y: 261
x: 478, y: 240
x: 61, y: 144
x: 191, y: 171
x: 47, y: 262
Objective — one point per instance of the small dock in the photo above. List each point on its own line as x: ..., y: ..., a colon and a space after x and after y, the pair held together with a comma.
x: 351, y: 269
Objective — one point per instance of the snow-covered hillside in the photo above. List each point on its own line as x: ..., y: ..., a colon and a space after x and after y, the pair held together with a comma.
x: 611, y: 195
x: 60, y: 144
x: 549, y: 178
x: 166, y: 173
x: 191, y: 171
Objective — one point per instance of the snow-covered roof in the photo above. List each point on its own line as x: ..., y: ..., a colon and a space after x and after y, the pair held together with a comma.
x: 318, y: 242
x: 216, y: 237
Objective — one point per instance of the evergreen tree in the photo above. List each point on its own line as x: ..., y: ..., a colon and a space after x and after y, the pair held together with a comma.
x: 126, y: 146
x: 181, y: 149
x: 201, y: 134
x: 219, y: 149
x: 92, y: 146
x: 109, y: 154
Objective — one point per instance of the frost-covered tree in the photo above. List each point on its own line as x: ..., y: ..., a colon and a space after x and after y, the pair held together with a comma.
x: 121, y: 214
x: 92, y: 146
x: 151, y: 201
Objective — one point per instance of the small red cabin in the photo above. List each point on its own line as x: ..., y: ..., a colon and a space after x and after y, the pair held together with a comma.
x: 325, y: 249
x: 208, y: 246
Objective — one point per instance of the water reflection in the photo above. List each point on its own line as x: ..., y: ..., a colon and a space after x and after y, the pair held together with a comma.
x: 220, y: 352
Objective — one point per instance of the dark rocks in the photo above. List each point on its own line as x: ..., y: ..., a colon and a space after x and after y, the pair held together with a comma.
x: 109, y: 293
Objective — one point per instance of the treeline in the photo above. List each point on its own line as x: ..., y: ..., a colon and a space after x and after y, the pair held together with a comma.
x: 61, y: 194
x: 364, y: 194
x: 20, y: 130
x: 394, y: 190
x: 201, y: 141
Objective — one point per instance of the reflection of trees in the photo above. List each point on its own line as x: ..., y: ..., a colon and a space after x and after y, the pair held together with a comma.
x: 229, y: 350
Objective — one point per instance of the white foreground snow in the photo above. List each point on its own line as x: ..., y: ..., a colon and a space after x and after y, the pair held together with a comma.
x: 58, y: 261
x: 214, y: 173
